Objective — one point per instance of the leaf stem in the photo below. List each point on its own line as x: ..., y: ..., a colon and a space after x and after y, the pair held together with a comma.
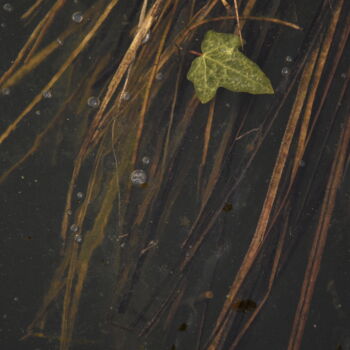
x: 195, y: 53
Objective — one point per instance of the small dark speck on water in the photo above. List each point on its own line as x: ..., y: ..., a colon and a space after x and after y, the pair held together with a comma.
x: 227, y: 207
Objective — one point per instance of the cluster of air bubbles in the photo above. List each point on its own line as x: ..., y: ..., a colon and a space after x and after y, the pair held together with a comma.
x: 146, y: 38
x: 126, y: 96
x: 285, y: 71
x: 78, y: 238
x: 47, y: 94
x: 93, y: 102
x: 77, y: 17
x: 74, y: 228
x: 159, y: 76
x: 80, y: 195
x: 289, y: 59
x: 5, y: 91
x: 7, y: 7
x: 145, y: 160
x: 138, y: 177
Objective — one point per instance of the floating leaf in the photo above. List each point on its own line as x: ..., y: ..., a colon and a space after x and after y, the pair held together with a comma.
x: 223, y: 65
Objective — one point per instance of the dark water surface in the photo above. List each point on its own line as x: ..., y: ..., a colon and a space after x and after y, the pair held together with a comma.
x: 150, y: 265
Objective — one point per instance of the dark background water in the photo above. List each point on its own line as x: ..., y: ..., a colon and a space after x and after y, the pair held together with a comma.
x: 33, y: 199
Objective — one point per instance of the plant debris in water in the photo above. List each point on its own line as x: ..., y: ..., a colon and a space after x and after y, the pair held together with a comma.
x: 223, y: 65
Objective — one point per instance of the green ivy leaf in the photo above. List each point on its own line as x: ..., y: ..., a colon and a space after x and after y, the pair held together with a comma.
x: 223, y: 65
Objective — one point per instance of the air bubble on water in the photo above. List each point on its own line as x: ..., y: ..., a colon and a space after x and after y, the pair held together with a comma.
x: 74, y: 228
x: 69, y: 212
x: 47, y: 94
x: 7, y: 7
x: 15, y: 299
x: 5, y: 91
x: 3, y: 25
x: 289, y: 59
x: 343, y: 75
x: 37, y: 112
x: 126, y: 96
x: 80, y: 195
x: 77, y: 17
x: 93, y: 102
x: 285, y: 71
x: 146, y: 38
x: 159, y: 76
x: 59, y: 41
x: 78, y: 238
x: 138, y: 177
x: 145, y: 160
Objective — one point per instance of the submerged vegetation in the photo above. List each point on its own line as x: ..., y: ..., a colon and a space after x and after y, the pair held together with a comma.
x: 178, y: 215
